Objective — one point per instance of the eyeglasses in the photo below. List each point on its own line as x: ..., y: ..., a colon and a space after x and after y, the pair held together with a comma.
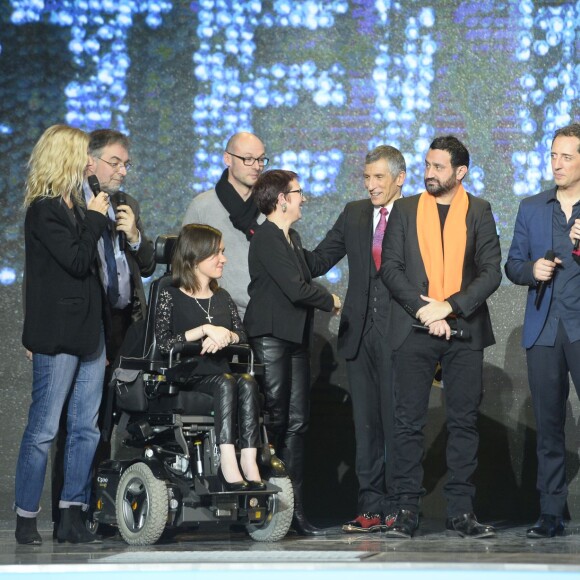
x: 300, y: 191
x: 117, y: 165
x: 263, y: 161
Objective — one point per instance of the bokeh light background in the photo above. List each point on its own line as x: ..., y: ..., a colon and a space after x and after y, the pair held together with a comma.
x: 321, y: 82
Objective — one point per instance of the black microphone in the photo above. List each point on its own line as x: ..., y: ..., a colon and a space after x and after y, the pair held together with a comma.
x: 576, y: 250
x: 121, y: 200
x: 541, y: 287
x: 461, y: 333
x: 94, y: 185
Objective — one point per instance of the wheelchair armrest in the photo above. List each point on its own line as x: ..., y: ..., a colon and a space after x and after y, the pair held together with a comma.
x: 194, y: 348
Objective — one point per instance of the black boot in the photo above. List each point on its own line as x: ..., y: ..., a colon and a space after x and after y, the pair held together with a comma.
x: 293, y: 457
x: 72, y: 527
x: 26, y: 532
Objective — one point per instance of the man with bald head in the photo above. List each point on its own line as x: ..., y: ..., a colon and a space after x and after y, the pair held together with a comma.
x: 229, y: 208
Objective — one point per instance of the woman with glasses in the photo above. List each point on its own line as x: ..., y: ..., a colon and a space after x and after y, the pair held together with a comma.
x: 62, y: 329
x: 279, y: 322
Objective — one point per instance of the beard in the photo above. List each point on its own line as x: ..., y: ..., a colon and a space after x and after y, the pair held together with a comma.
x: 436, y: 188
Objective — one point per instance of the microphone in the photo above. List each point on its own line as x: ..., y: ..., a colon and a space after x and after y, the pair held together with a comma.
x: 94, y: 184
x: 461, y: 333
x: 576, y: 250
x: 122, y: 237
x: 541, y: 288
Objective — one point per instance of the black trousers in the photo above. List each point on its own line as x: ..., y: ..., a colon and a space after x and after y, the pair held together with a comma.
x: 236, y: 407
x: 414, y: 366
x: 287, y: 396
x: 370, y: 380
x: 548, y: 368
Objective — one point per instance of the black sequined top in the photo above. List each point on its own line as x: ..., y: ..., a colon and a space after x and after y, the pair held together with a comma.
x: 177, y: 313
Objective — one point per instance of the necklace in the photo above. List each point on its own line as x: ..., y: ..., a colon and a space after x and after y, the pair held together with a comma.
x: 209, y: 318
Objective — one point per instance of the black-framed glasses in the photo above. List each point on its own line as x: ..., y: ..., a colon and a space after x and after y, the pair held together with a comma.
x: 116, y: 165
x: 263, y: 161
x: 300, y: 191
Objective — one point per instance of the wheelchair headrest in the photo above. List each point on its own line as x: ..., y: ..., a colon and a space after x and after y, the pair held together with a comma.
x: 164, y: 246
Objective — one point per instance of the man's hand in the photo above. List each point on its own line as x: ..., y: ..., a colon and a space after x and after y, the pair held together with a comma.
x: 440, y: 328
x: 543, y: 269
x: 575, y: 231
x: 337, y: 304
x: 126, y: 223
x: 434, y: 311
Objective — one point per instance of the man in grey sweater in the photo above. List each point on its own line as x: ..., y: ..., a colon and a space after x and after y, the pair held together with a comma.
x: 230, y: 208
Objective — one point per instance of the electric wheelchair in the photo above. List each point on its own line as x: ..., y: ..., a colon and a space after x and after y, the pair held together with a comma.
x: 171, y: 481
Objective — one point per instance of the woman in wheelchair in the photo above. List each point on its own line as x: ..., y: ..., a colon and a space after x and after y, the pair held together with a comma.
x: 195, y: 308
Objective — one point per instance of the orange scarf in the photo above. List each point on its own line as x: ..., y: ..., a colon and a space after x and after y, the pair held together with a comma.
x: 444, y: 271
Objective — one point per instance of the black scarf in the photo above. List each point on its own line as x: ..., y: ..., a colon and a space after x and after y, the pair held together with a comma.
x: 243, y: 214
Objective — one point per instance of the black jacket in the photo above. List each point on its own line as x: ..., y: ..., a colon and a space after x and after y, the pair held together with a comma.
x: 282, y: 296
x: 404, y: 274
x: 351, y: 235
x: 63, y: 293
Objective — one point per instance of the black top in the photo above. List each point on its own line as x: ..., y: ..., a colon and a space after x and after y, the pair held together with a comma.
x: 565, y: 304
x: 63, y: 300
x: 177, y: 313
x: 282, y: 295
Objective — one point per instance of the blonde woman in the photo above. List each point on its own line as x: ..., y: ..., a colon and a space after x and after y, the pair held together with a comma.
x: 62, y: 328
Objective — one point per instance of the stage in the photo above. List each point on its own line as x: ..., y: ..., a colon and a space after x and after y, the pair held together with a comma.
x: 433, y: 554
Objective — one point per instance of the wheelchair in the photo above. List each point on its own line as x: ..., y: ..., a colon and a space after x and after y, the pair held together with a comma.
x: 171, y: 483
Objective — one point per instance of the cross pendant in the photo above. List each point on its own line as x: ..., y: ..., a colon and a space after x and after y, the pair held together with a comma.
x: 209, y: 318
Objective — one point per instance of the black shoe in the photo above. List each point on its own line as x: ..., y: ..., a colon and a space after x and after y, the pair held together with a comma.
x: 303, y: 527
x: 234, y: 486
x: 546, y: 527
x: 405, y: 524
x: 254, y: 485
x: 467, y: 526
x: 26, y: 532
x: 72, y: 527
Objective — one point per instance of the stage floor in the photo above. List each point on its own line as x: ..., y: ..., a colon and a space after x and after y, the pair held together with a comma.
x: 229, y: 553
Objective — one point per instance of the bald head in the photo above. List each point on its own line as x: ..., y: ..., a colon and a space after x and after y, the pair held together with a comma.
x: 241, y: 175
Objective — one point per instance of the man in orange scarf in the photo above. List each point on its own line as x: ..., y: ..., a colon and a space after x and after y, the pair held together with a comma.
x: 440, y: 261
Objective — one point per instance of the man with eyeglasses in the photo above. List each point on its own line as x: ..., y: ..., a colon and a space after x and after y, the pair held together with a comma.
x: 125, y: 255
x: 230, y: 208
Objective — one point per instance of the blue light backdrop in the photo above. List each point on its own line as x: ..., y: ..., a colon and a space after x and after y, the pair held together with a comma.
x: 321, y: 82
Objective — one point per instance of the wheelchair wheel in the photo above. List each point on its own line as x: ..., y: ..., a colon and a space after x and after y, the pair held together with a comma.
x: 281, y: 509
x: 141, y: 506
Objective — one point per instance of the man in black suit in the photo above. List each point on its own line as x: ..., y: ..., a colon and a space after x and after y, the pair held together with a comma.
x: 125, y: 255
x: 363, y: 328
x: 440, y: 261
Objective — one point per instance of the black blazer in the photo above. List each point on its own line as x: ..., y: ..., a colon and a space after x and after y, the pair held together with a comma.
x: 282, y: 297
x: 351, y: 236
x: 63, y: 293
x: 141, y: 263
x: 404, y: 274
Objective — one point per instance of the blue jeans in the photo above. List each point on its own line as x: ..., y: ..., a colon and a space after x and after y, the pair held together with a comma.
x: 56, y: 378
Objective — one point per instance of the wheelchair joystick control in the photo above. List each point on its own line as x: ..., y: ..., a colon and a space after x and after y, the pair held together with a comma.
x: 199, y: 464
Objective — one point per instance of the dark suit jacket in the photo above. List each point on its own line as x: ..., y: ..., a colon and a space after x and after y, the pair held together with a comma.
x: 141, y: 263
x: 282, y: 297
x: 532, y: 237
x: 63, y: 310
x: 350, y: 236
x: 404, y: 274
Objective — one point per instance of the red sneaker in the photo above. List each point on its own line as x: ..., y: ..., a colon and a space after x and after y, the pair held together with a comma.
x: 364, y: 523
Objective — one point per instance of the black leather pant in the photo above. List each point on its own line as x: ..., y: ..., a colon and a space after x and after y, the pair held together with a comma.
x: 287, y: 394
x: 236, y: 401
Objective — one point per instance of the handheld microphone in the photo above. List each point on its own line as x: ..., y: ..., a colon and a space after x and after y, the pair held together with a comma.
x: 461, y: 333
x: 122, y: 237
x: 94, y: 184
x: 541, y: 288
x: 576, y: 250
